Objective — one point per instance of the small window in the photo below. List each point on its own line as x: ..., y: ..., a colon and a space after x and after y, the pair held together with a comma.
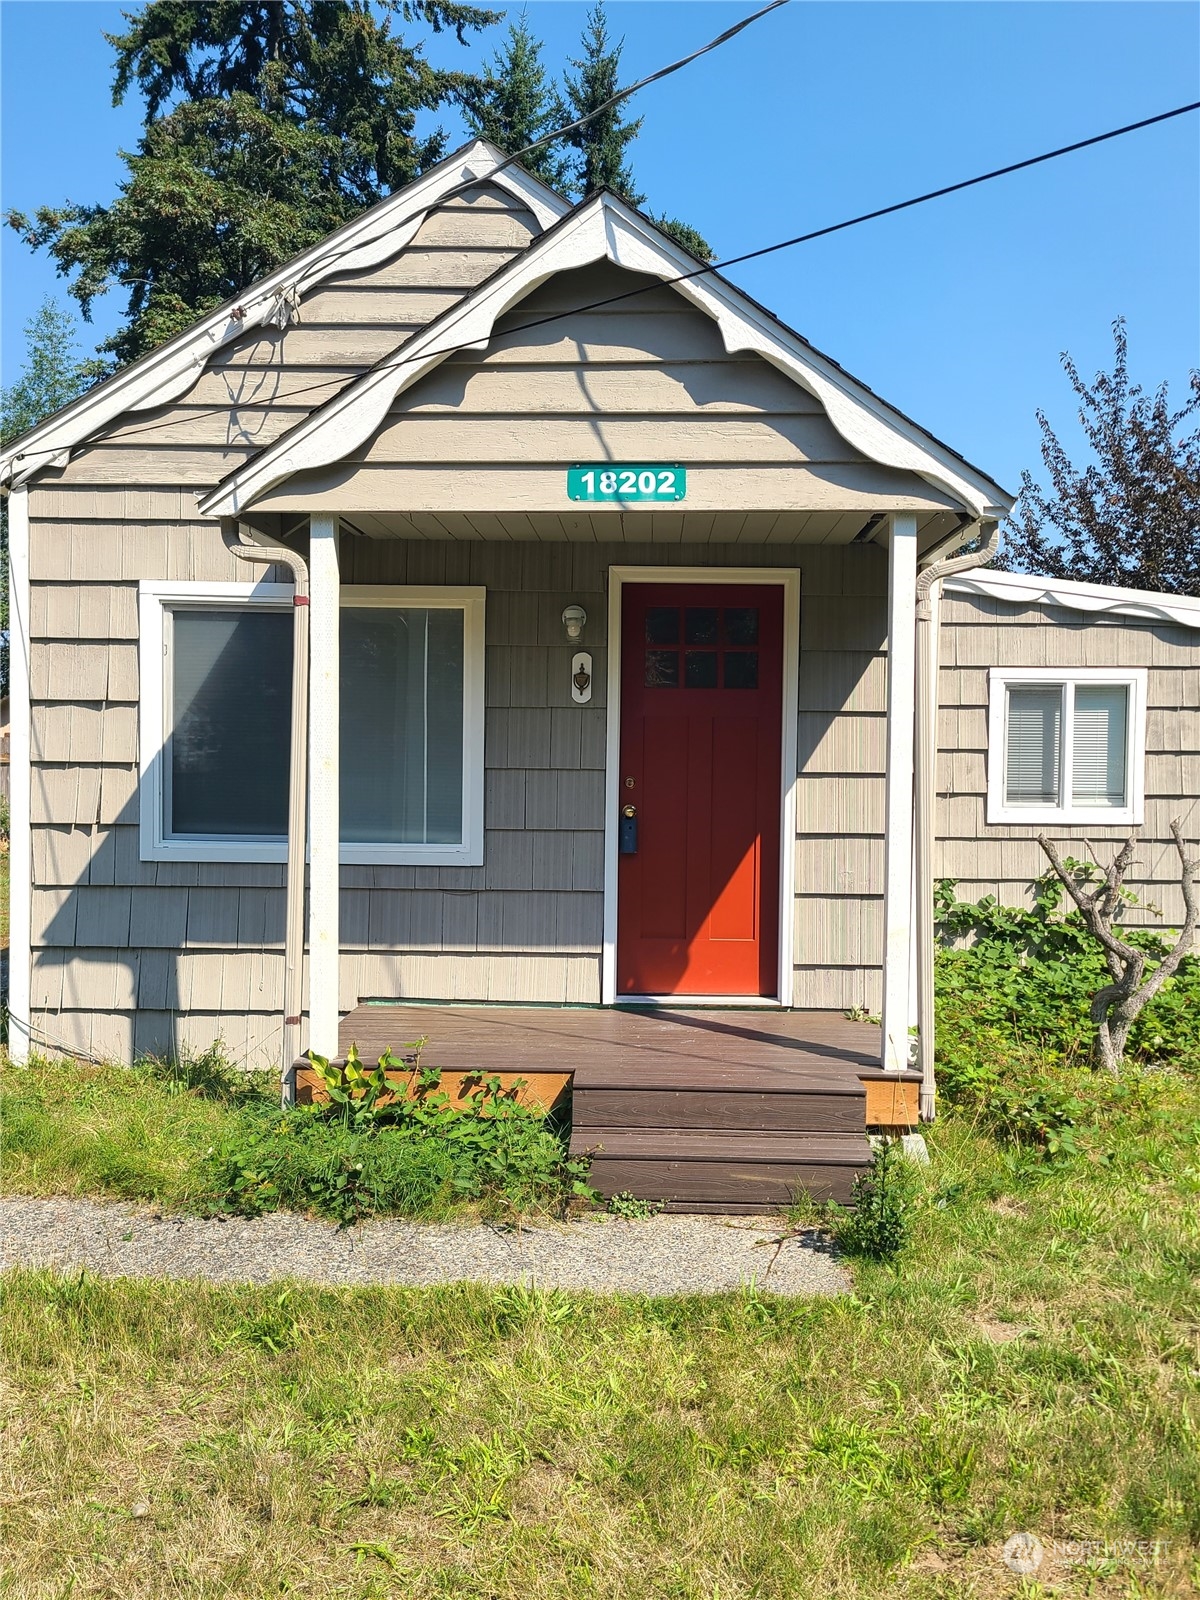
x: 216, y: 722
x: 1066, y: 747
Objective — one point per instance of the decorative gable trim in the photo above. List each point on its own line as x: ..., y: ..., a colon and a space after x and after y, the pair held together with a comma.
x: 605, y: 228
x: 368, y: 240
x: 1097, y: 599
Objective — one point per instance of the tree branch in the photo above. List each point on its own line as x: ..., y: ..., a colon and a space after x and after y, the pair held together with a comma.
x: 1116, y: 1006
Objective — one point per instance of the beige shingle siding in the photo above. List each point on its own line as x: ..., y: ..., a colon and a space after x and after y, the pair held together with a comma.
x: 204, y: 939
x: 644, y: 379
x: 132, y: 954
x: 271, y: 378
x: 1003, y: 859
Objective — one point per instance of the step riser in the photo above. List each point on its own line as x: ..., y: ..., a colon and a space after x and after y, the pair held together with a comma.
x: 687, y: 1108
x: 711, y: 1184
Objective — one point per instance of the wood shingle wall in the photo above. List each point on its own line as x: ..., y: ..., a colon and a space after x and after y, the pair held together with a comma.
x: 1003, y: 859
x: 132, y: 956
x: 645, y: 378
x: 260, y: 385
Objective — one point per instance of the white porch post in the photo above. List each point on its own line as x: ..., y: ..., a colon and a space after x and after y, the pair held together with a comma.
x: 898, y: 809
x: 323, y: 782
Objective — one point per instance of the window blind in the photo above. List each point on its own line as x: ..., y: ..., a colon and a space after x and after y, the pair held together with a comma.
x: 402, y: 725
x: 1033, y: 756
x: 1098, y: 741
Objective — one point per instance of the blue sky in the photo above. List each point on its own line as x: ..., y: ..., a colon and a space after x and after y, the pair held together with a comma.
x: 956, y: 311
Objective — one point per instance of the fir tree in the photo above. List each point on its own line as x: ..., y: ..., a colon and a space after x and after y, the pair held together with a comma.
x: 600, y: 159
x: 600, y: 146
x: 514, y: 105
x: 1131, y: 517
x: 268, y: 124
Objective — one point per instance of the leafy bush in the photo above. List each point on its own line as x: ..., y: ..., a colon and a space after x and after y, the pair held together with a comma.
x: 1015, y: 1093
x: 366, y: 1153
x: 1027, y: 976
x: 1014, y: 1032
x: 878, y: 1225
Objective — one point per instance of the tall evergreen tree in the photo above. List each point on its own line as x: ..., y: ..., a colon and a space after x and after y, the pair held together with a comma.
x: 601, y: 145
x: 268, y: 124
x: 1131, y: 516
x: 514, y: 105
x: 54, y: 374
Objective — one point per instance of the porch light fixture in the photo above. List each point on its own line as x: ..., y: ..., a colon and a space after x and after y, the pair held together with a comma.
x: 574, y: 618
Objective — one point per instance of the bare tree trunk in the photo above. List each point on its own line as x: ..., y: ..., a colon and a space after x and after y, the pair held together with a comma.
x: 1117, y: 1006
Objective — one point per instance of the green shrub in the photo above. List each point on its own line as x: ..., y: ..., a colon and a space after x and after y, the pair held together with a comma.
x: 1014, y: 1040
x: 1028, y: 976
x: 878, y: 1225
x: 361, y: 1154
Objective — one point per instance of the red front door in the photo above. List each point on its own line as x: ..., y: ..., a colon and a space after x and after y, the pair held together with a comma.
x: 701, y: 727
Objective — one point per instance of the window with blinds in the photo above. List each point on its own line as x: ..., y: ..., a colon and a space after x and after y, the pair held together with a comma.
x: 1034, y: 747
x: 1065, y: 749
x: 1098, y: 740
x: 402, y: 725
x: 217, y: 722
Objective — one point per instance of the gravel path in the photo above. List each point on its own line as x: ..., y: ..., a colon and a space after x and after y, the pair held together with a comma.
x: 662, y: 1255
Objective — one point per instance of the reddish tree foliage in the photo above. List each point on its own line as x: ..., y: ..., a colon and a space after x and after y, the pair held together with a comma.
x: 1131, y: 517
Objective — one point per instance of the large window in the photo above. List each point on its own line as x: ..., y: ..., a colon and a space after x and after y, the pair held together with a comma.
x: 216, y: 719
x: 1066, y: 746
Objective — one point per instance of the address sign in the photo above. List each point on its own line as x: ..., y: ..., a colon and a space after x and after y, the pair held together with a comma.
x: 608, y: 481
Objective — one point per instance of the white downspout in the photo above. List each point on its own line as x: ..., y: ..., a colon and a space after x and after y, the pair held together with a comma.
x: 248, y: 545
x: 928, y: 602
x: 20, y: 957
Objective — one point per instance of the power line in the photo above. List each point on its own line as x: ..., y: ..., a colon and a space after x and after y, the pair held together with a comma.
x: 394, y: 363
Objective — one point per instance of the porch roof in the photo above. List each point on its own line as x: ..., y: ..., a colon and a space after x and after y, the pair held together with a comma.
x: 906, y: 467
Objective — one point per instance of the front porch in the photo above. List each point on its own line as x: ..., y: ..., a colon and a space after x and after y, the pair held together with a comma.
x: 725, y: 1110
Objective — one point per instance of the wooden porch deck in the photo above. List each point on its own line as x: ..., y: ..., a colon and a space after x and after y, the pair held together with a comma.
x: 717, y: 1110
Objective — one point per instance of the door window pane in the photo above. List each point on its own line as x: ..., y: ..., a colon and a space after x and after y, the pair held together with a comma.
x: 700, y: 625
x: 401, y: 725
x: 1098, y: 745
x: 662, y: 669
x: 741, y: 669
x: 741, y: 625
x: 231, y: 703
x: 700, y: 669
x: 662, y: 625
x: 1034, y: 744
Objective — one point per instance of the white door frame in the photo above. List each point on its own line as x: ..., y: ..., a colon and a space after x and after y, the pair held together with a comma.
x: 787, y: 579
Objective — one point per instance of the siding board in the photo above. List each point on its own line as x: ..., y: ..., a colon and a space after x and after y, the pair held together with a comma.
x: 1004, y: 860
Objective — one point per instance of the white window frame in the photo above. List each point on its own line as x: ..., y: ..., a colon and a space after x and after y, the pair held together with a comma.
x: 155, y: 599
x: 1067, y: 679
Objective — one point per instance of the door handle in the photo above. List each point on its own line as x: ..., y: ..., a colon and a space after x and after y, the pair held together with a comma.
x: 627, y: 831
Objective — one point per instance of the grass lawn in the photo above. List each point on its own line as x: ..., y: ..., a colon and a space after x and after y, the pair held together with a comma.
x: 4, y: 860
x: 1031, y: 1364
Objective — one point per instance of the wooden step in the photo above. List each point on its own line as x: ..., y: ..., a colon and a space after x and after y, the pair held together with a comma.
x: 739, y: 1170
x: 737, y: 1077
x: 835, y: 1108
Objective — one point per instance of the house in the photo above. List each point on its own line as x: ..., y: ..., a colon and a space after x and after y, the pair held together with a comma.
x: 575, y: 619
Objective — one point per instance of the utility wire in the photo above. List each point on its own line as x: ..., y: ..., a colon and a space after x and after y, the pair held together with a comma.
x: 394, y: 363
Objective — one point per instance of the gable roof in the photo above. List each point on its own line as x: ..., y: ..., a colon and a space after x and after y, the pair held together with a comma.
x: 606, y: 228
x: 374, y: 236
x: 1097, y: 599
